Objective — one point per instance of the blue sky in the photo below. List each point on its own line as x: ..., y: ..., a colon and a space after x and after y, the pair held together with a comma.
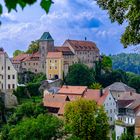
x: 67, y: 19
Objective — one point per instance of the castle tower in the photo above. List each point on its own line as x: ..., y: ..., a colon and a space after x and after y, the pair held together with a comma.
x: 46, y: 44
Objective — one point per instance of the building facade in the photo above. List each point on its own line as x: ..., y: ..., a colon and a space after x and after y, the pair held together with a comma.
x: 54, y: 64
x: 8, y: 74
x: 73, y: 51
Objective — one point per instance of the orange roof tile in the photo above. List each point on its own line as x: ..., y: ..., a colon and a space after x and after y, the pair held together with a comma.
x: 78, y: 90
x: 64, y: 50
x: 54, y: 100
x: 54, y: 55
x: 20, y: 57
x: 79, y: 45
x: 92, y: 94
x: 103, y: 97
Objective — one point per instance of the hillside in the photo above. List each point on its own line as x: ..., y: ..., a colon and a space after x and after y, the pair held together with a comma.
x: 127, y: 62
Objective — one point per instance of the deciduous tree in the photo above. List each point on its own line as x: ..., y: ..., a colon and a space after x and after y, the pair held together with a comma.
x: 86, y: 120
x: 122, y: 12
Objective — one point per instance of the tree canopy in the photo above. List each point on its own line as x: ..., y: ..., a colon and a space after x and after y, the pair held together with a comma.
x: 86, y: 120
x: 122, y: 12
x: 12, y: 4
x: 33, y: 47
x: 127, y: 62
x: 79, y: 74
x: 17, y: 52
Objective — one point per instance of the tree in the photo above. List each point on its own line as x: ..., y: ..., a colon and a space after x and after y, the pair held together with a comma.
x: 86, y: 120
x: 44, y: 127
x: 135, y: 83
x: 96, y: 86
x: 114, y: 76
x: 17, y: 52
x: 33, y: 47
x: 12, y: 5
x: 26, y: 110
x: 121, y: 12
x: 79, y: 74
x: 106, y: 63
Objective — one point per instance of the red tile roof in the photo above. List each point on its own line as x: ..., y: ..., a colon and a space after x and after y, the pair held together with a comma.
x: 55, y: 55
x: 65, y: 50
x: 56, y: 101
x: 92, y: 94
x: 96, y: 95
x: 72, y: 90
x: 20, y: 57
x: 79, y: 45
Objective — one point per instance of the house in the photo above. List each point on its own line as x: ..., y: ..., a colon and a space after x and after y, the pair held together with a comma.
x: 86, y: 51
x: 119, y: 88
x: 137, y: 126
x: 27, y: 62
x: 54, y: 65
x: 8, y: 74
x: 17, y: 62
x: 55, y: 103
x: 104, y: 98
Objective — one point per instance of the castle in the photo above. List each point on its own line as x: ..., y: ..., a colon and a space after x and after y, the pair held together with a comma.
x: 55, y: 60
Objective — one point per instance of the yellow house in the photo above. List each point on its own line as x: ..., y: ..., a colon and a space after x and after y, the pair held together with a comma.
x: 54, y: 65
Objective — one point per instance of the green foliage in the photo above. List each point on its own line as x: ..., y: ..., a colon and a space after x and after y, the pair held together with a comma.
x: 114, y: 76
x: 17, y: 52
x: 38, y: 78
x: 41, y: 128
x: 126, y: 136
x: 33, y: 89
x: 33, y: 47
x: 106, y: 63
x: 127, y: 62
x: 135, y: 83
x: 12, y: 5
x: 86, y: 120
x: 95, y: 86
x: 79, y: 74
x: 26, y: 110
x: 122, y: 11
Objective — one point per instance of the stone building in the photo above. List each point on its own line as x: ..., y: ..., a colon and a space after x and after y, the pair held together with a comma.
x: 8, y: 74
x: 46, y: 44
x: 73, y: 51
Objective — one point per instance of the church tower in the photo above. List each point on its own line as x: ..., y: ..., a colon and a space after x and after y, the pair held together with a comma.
x: 46, y: 44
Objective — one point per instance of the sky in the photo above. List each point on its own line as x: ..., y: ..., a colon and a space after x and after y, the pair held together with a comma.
x: 67, y: 19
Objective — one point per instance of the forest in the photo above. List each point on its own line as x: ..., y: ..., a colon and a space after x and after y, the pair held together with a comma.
x: 127, y: 62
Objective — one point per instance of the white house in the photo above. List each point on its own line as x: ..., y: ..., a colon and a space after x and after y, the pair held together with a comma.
x: 8, y: 74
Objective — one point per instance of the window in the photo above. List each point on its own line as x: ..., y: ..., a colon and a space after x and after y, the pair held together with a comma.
x: 114, y: 110
x: 13, y: 86
x: 110, y: 110
x: 8, y: 67
x: 55, y: 67
x: 55, y: 61
x: 2, y: 67
x: 8, y: 76
x: 2, y: 86
x: 1, y: 76
x: 50, y: 76
x: 110, y: 118
x: 50, y: 67
x: 109, y: 98
x: 50, y: 61
x: 13, y: 76
x: 8, y: 86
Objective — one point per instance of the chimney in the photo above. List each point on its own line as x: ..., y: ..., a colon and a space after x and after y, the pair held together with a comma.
x: 101, y: 92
